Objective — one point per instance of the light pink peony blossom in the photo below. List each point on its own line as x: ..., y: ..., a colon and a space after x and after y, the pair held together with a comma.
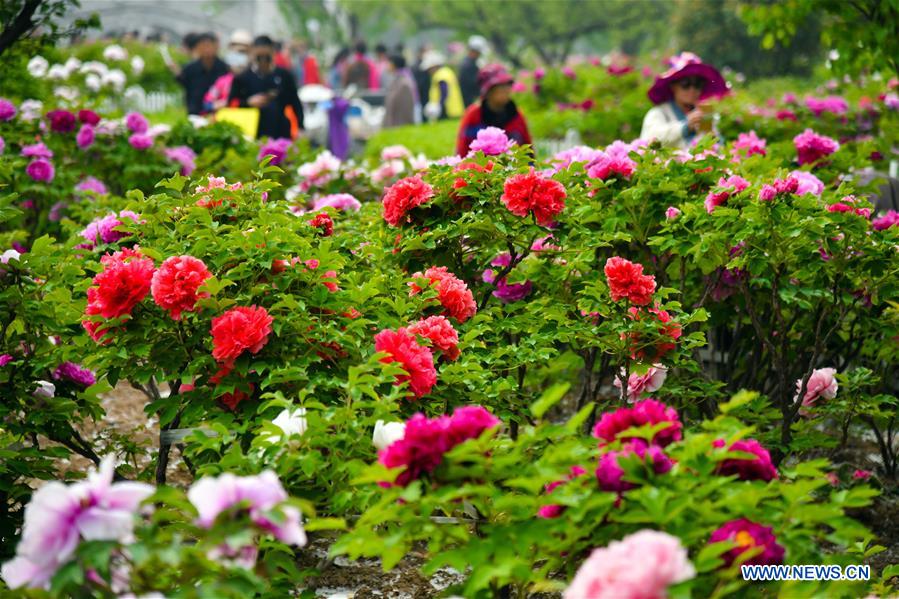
x: 671, y: 213
x: 808, y: 183
x: 642, y: 565
x: 822, y: 384
x: 492, y: 141
x: 640, y: 385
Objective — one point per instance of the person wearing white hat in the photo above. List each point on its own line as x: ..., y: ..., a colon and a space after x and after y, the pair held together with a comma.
x: 445, y: 97
x: 237, y: 58
x: 468, y: 70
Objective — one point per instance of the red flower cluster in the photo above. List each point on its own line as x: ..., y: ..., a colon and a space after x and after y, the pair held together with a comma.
x: 403, y: 196
x: 175, y: 284
x: 416, y: 360
x: 759, y: 467
x: 642, y: 413
x: 237, y: 330
x: 425, y: 440
x: 122, y: 285
x: 529, y: 192
x: 323, y: 222
x: 673, y: 331
x: 468, y: 165
x: 627, y: 281
x: 441, y: 334
x: 230, y: 398
x: 454, y: 295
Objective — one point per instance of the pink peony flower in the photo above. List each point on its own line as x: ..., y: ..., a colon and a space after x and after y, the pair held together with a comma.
x: 505, y: 292
x: 401, y: 346
x: 92, y: 184
x: 639, y: 385
x: 832, y: 104
x: 139, y: 141
x: 749, y: 536
x: 7, y: 110
x: 727, y: 187
x: 338, y: 201
x: 822, y: 384
x: 612, y: 425
x: 40, y: 169
x: 759, y: 467
x: 530, y: 193
x: 641, y: 565
x: 85, y: 137
x: 106, y: 229
x: 860, y: 474
x: 608, y: 165
x: 440, y: 333
x: 555, y: 510
x: 59, y: 517
x: 184, y: 156
x: 276, y: 148
x: 74, y: 373
x: 38, y: 150
x: 492, y: 141
x: 452, y: 293
x: 136, y: 122
x: 748, y: 144
x: 403, y: 196
x: 610, y: 474
x: 811, y: 146
x: 671, y: 213
x: 890, y: 219
x: 807, y: 183
x: 240, y: 329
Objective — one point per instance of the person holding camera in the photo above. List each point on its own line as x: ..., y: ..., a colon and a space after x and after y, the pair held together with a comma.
x: 679, y: 114
x: 271, y: 89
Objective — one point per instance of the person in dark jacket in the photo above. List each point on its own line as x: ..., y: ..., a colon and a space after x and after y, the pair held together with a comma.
x: 399, y: 103
x: 198, y: 75
x: 269, y: 88
x: 468, y: 70
x: 422, y: 78
x: 496, y: 109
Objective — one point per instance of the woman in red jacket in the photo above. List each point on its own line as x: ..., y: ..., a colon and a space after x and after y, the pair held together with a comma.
x: 495, y: 109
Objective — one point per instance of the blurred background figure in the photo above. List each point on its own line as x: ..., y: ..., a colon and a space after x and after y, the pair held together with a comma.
x: 382, y: 64
x: 271, y: 89
x: 678, y: 115
x: 361, y: 70
x: 304, y: 64
x: 444, y: 96
x: 198, y: 75
x: 468, y: 70
x: 496, y: 109
x: 237, y: 58
x: 422, y: 78
x: 338, y: 67
x: 400, y: 101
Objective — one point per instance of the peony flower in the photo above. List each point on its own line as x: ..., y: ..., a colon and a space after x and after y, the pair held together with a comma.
x: 555, y: 510
x: 832, y: 104
x: 811, y: 146
x: 136, y: 122
x: 890, y: 219
x: 453, y: 294
x: 291, y: 422
x: 88, y: 117
x: 92, y: 184
x: 577, y: 154
x: 627, y: 281
x: 505, y: 292
x: 648, y: 411
x: 176, y: 283
x: 7, y: 110
x: 38, y: 150
x: 322, y: 221
x: 748, y: 144
x: 417, y: 360
x: 338, y: 201
x: 403, y: 196
x: 396, y: 152
x: 387, y: 433
x: 319, y: 172
x: 74, y: 373
x: 807, y: 183
x: 528, y: 193
x: 30, y: 110
x: 37, y: 67
x: 61, y: 121
x: 861, y: 474
x: 608, y: 165
x: 639, y: 385
x: 610, y: 475
x: 115, y: 52
x: 671, y: 213
x: 730, y: 186
x: 85, y: 137
x: 424, y: 440
x: 492, y: 141
x: 105, y: 229
x: 40, y: 169
x: 276, y: 148
x: 5, y: 359
x: 759, y: 467
x: 59, y: 517
x: 184, y: 156
x: 821, y: 384
x: 122, y: 284
x: 440, y: 333
x: 139, y: 141
x: 238, y: 330
x: 749, y: 536
x: 641, y: 565
x: 44, y: 390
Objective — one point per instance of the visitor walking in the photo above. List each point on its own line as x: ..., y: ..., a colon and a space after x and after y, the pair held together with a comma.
x: 495, y: 109
x: 305, y: 66
x: 678, y: 115
x: 199, y: 75
x: 271, y: 89
x: 444, y: 96
x: 400, y: 100
x: 361, y: 70
x: 468, y: 70
x: 237, y: 57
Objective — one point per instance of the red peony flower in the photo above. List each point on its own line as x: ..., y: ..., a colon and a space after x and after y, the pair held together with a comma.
x: 237, y: 330
x: 460, y: 182
x: 122, y: 285
x: 649, y: 411
x: 403, y: 196
x: 61, y: 121
x: 323, y: 222
x: 627, y: 281
x: 441, y: 334
x: 759, y: 467
x: 672, y: 331
x: 529, y: 192
x: 418, y: 362
x: 88, y: 117
x: 176, y: 282
x: 454, y: 295
x: 230, y: 398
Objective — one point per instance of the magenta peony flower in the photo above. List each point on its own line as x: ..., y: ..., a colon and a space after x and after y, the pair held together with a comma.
x: 822, y: 383
x: 58, y: 517
x: 860, y: 474
x: 605, y: 165
x: 890, y: 219
x: 338, y: 201
x: 184, y: 156
x: 727, y: 187
x: 85, y: 137
x: 612, y: 424
x: 610, y: 475
x: 758, y: 468
x: 57, y: 210
x: 808, y: 183
x: 639, y: 385
x: 5, y: 359
x: 38, y: 150
x: 136, y: 122
x: 749, y: 536
x: 492, y: 141
x: 92, y: 184
x: 104, y: 230
x: 577, y: 154
x: 554, y: 510
x: 2, y: 145
x: 641, y: 565
x: 671, y: 213
x: 74, y: 373
x: 748, y: 144
x: 139, y: 141
x: 505, y: 292
x: 7, y: 110
x: 88, y: 117
x: 811, y: 147
x: 276, y: 148
x: 61, y: 121
x: 40, y: 170
x: 832, y: 104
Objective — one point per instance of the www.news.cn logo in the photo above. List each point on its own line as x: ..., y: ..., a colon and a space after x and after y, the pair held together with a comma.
x: 805, y: 572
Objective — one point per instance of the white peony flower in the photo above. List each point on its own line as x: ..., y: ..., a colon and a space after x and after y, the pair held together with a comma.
x: 386, y: 433
x: 8, y: 255
x: 72, y: 64
x: 93, y: 82
x: 115, y: 52
x: 44, y: 389
x: 58, y: 72
x: 70, y: 94
x: 30, y: 110
x: 291, y: 422
x: 197, y: 121
x: 115, y: 78
x: 94, y: 66
x: 137, y: 65
x: 37, y: 67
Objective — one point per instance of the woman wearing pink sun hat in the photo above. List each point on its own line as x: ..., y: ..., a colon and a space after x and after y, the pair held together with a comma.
x: 678, y: 93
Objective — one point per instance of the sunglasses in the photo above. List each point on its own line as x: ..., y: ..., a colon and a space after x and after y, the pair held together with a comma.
x: 694, y: 82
